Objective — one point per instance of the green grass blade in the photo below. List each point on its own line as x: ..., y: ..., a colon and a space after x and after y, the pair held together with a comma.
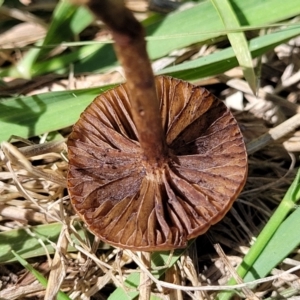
x: 27, y: 245
x: 35, y: 115
x: 224, y: 60
x: 67, y: 21
x: 23, y: 68
x: 287, y: 204
x: 39, y: 276
x: 237, y: 40
x: 285, y: 207
x: 88, y: 56
x: 189, y: 26
x: 276, y: 251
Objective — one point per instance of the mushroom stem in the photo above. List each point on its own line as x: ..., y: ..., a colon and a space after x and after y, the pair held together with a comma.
x: 130, y: 47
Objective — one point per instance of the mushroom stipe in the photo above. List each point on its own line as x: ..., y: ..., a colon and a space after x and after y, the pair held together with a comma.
x: 132, y: 204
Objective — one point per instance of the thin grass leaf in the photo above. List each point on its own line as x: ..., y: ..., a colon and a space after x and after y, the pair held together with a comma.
x: 39, y: 276
x: 153, y: 297
x: 237, y: 40
x: 28, y: 245
x: 86, y: 55
x: 204, y: 18
x: 23, y: 68
x: 68, y: 20
x: 61, y: 63
x: 224, y: 60
x: 277, y: 250
x: 285, y: 207
x: 35, y: 115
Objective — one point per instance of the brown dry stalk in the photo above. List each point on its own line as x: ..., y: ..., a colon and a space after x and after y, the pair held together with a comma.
x: 274, y: 134
x: 145, y: 281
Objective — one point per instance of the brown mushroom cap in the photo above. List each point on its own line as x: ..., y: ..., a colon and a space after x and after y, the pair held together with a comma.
x: 128, y: 203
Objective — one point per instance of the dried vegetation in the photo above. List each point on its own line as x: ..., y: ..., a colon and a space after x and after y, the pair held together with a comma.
x: 33, y: 191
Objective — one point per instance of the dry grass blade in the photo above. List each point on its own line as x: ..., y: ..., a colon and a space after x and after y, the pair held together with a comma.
x: 21, y: 15
x: 6, y: 156
x: 237, y: 40
x: 21, y: 35
x: 248, y: 293
x: 17, y: 293
x: 145, y: 282
x: 16, y: 157
x: 58, y: 267
x: 274, y: 134
x: 23, y: 215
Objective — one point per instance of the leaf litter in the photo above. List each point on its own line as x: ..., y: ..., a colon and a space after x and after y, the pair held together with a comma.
x: 32, y: 192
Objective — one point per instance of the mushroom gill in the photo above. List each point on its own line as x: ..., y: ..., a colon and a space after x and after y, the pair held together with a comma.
x: 130, y: 203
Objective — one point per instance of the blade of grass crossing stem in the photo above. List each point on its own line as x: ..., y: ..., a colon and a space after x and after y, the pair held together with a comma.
x: 284, y: 208
x: 221, y: 61
x: 40, y: 277
x: 68, y: 20
x: 237, y: 40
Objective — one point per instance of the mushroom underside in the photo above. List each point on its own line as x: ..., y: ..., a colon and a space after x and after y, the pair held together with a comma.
x: 128, y: 203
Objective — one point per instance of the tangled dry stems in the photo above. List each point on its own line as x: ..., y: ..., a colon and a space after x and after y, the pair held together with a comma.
x: 30, y: 197
x: 42, y: 201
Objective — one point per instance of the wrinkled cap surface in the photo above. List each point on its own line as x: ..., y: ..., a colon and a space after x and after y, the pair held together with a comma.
x: 129, y: 205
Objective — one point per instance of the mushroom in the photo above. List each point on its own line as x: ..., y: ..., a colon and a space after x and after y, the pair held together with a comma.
x: 153, y: 163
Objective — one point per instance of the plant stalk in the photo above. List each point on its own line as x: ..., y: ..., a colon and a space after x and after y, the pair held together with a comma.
x: 145, y: 281
x: 130, y: 46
